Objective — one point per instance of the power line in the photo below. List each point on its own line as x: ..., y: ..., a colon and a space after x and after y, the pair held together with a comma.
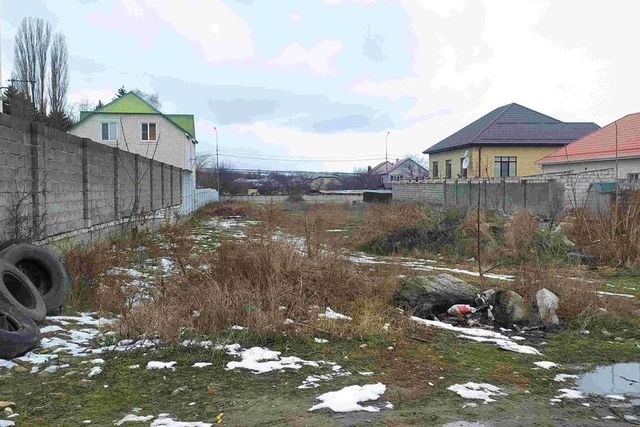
x: 302, y: 159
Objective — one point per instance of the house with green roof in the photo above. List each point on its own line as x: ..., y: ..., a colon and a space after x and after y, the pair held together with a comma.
x: 132, y: 124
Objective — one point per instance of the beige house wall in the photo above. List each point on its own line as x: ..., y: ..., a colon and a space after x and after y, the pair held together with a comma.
x: 525, y: 163
x: 172, y: 147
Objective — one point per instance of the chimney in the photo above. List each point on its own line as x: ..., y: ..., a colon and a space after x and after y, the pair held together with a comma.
x: 368, y: 169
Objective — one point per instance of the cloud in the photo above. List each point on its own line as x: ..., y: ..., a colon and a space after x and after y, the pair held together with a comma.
x: 295, y: 17
x: 372, y: 47
x: 92, y: 95
x: 362, y: 2
x: 211, y: 26
x: 351, y: 122
x: 316, y: 59
x: 241, y: 110
x: 218, y: 32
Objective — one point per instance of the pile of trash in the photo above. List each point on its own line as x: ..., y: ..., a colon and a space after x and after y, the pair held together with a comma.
x: 33, y: 284
x: 450, y: 299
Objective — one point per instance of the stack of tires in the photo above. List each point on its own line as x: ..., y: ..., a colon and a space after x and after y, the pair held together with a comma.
x: 33, y: 284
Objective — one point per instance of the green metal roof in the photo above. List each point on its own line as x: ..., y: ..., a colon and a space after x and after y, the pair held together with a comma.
x: 131, y: 103
x: 185, y: 121
x: 604, y: 187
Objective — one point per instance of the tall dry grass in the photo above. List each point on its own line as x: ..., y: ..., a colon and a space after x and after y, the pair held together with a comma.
x: 381, y: 220
x: 258, y: 284
x: 614, y: 237
x: 575, y: 287
x: 519, y: 235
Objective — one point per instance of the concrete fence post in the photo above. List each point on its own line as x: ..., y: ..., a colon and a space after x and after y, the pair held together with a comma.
x: 162, y: 198
x: 116, y: 194
x: 524, y: 192
x: 470, y: 187
x: 504, y: 195
x: 171, y: 182
x: 444, y: 194
x: 455, y: 195
x: 151, y: 185
x: 136, y: 184
x: 35, y: 182
x: 85, y: 183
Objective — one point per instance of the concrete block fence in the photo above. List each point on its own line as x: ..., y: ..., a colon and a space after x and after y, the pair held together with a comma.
x: 58, y: 184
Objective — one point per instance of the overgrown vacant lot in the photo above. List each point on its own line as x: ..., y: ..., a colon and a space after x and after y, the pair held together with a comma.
x: 182, y: 324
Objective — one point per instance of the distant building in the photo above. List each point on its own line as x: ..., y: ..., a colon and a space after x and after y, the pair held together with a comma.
x: 407, y: 169
x: 325, y: 182
x: 503, y: 143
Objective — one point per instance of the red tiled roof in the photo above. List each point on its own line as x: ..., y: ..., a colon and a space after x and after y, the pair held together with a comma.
x: 601, y: 144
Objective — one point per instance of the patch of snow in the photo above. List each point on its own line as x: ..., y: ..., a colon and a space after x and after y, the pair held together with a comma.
x: 546, y: 365
x: 613, y: 294
x: 161, y: 365
x: 320, y: 340
x: 569, y: 394
x: 615, y: 397
x: 50, y: 328
x: 562, y: 377
x: 165, y: 421
x: 366, y: 373
x: 477, y: 391
x: 131, y: 418
x: 330, y: 314
x: 261, y: 360
x: 237, y: 328
x: 7, y: 364
x: 201, y: 364
x: 94, y: 371
x: 480, y: 335
x: 7, y: 423
x: 349, y: 398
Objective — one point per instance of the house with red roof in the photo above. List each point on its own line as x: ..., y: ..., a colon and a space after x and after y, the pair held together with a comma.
x: 603, y: 157
x: 618, y: 142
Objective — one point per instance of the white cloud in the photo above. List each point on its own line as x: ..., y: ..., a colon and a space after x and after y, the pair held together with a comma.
x: 218, y: 32
x: 317, y: 59
x: 92, y: 95
x: 295, y: 17
x: 364, y: 2
x: 500, y: 57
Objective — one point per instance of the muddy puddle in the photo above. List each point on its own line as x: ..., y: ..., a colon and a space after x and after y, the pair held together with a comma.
x: 619, y: 379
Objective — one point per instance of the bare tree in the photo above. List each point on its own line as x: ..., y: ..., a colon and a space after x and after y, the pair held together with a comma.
x: 42, y: 43
x: 59, y: 74
x: 25, y: 58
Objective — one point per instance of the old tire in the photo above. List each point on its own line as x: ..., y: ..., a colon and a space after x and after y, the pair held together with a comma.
x: 17, y: 290
x: 44, y: 269
x: 18, y: 333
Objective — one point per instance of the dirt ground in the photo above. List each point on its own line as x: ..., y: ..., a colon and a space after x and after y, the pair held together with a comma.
x: 86, y: 373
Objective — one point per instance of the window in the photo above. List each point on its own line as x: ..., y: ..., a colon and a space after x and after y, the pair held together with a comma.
x: 447, y: 169
x: 504, y: 166
x: 434, y: 170
x: 396, y: 178
x: 463, y: 170
x: 148, y: 132
x: 108, y: 131
x: 634, y: 176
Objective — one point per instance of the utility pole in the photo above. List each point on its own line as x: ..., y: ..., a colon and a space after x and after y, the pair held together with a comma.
x: 1, y: 94
x: 215, y: 128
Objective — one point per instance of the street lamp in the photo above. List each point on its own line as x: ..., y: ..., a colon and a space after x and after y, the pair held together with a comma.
x: 217, y: 163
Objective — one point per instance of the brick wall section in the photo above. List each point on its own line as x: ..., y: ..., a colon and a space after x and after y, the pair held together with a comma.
x: 543, y: 197
x: 577, y: 184
x: 69, y: 184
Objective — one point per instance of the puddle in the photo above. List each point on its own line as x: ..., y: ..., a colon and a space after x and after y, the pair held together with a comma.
x: 618, y: 379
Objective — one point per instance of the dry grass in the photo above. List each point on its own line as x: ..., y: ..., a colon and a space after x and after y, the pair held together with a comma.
x: 575, y: 288
x: 614, y: 238
x: 380, y: 220
x: 258, y: 285
x: 519, y: 235
x: 504, y: 373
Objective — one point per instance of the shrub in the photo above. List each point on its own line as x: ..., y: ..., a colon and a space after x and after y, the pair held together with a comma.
x: 613, y: 238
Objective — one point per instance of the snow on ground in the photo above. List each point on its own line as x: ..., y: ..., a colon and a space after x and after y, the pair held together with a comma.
x: 330, y: 314
x: 480, y: 335
x: 613, y: 294
x: 546, y: 365
x: 133, y: 418
x: 563, y: 377
x: 419, y: 265
x: 154, y: 364
x: 163, y: 420
x: 567, y: 393
x: 349, y: 398
x: 260, y: 360
x: 477, y: 391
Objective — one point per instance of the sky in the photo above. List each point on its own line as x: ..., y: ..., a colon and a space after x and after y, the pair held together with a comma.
x: 317, y: 84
